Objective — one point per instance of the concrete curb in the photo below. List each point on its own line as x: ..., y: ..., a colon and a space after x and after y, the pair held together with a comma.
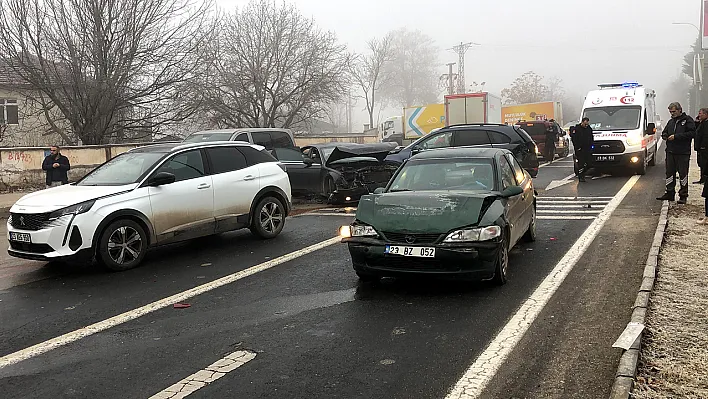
x: 627, y: 369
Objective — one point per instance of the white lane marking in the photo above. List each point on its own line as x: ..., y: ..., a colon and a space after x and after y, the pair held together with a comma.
x: 539, y: 211
x: 561, y: 182
x: 550, y: 197
x: 547, y: 201
x: 476, y: 378
x: 539, y: 206
x: 326, y: 214
x: 73, y: 336
x: 206, y: 376
x: 546, y: 164
x: 556, y: 166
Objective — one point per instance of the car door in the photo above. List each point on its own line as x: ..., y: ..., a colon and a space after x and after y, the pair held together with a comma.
x: 304, y: 176
x: 470, y: 138
x: 515, y: 204
x: 524, y: 181
x: 235, y: 186
x: 183, y: 209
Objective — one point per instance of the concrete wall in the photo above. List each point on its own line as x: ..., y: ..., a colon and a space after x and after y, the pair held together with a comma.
x: 21, y: 167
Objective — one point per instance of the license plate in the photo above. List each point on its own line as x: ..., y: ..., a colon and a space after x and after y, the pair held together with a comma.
x: 420, y: 252
x: 21, y: 237
x: 605, y: 158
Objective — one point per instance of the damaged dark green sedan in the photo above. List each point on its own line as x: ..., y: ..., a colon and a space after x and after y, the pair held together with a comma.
x: 445, y: 212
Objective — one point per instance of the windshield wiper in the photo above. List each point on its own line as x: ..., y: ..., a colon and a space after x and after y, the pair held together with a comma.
x: 397, y: 190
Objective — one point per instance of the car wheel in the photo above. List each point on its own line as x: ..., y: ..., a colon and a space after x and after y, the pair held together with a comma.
x: 268, y: 218
x: 530, y: 235
x: 502, y: 263
x: 328, y: 186
x: 122, y: 245
x: 566, y: 151
x: 652, y: 161
x: 367, y: 277
x: 642, y: 169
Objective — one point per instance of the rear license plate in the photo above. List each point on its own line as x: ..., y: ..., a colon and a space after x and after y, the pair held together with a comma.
x: 604, y: 158
x: 20, y: 237
x: 420, y: 252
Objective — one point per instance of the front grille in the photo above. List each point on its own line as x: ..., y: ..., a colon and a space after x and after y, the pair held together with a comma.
x: 404, y: 238
x: 412, y: 264
x: 608, y: 147
x: 31, y: 248
x: 29, y: 221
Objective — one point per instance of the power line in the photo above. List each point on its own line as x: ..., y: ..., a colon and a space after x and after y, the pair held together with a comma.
x: 461, y: 50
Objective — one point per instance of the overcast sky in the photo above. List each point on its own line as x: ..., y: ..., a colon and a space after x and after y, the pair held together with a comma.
x: 582, y: 42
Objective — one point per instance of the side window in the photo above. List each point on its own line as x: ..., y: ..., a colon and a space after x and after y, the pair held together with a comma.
x: 254, y: 157
x: 281, y: 140
x: 9, y: 112
x: 185, y: 166
x: 226, y: 159
x: 242, y: 137
x: 288, y: 154
x: 262, y: 138
x: 471, y: 137
x: 518, y: 170
x: 507, y: 174
x: 499, y: 138
x: 442, y: 140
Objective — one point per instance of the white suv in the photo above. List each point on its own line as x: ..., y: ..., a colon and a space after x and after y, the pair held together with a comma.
x: 150, y: 196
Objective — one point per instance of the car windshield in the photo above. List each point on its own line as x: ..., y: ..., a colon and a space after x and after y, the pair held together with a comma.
x: 445, y: 174
x: 204, y: 137
x: 614, y: 118
x: 126, y: 168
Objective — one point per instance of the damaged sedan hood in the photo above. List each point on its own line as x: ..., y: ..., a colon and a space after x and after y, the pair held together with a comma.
x: 379, y: 151
x: 422, y: 211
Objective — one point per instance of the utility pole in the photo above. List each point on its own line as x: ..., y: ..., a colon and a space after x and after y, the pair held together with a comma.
x: 349, y: 112
x: 450, y: 77
x: 461, y: 50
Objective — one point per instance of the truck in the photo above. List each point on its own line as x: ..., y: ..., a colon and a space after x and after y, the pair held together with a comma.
x: 541, y: 111
x: 623, y: 118
x: 420, y: 121
x: 472, y: 108
x: 391, y: 129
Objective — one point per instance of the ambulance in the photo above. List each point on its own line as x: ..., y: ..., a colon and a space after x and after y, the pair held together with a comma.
x: 623, y: 120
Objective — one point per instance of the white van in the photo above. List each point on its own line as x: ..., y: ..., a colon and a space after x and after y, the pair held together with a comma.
x: 623, y: 120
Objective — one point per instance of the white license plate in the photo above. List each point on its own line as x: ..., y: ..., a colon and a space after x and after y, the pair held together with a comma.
x: 420, y: 252
x: 604, y: 158
x: 21, y: 237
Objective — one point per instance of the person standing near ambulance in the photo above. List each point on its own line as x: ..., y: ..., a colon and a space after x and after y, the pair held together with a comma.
x: 583, y: 140
x: 678, y: 133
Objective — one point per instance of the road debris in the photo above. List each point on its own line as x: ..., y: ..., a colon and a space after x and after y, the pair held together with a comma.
x: 181, y: 305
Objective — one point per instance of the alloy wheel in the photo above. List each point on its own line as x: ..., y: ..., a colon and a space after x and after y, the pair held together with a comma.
x: 124, y: 245
x: 271, y: 217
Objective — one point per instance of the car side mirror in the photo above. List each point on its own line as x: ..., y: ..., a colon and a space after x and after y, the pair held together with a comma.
x: 308, y: 162
x: 162, y: 178
x: 380, y: 190
x: 651, y: 128
x: 416, y: 150
x: 512, y: 191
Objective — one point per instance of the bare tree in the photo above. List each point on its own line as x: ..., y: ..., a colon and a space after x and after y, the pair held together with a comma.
x: 528, y: 88
x: 369, y: 74
x: 111, y: 67
x: 556, y: 91
x: 413, y: 69
x: 272, y: 67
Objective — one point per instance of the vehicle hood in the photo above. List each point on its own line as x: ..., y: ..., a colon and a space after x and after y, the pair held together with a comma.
x: 377, y: 150
x: 63, y: 196
x: 422, y: 211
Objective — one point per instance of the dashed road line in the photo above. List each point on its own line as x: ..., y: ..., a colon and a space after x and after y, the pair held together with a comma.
x: 481, y: 372
x: 46, y: 346
x: 206, y: 376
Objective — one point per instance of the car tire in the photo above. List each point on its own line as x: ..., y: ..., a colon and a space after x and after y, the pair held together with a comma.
x: 268, y: 218
x: 652, y: 161
x: 367, y: 277
x: 501, y: 264
x: 566, y: 152
x: 642, y: 169
x: 530, y: 235
x: 328, y: 186
x: 122, y: 245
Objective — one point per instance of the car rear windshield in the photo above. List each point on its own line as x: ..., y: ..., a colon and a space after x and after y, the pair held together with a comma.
x: 126, y: 168
x: 469, y: 174
x: 534, y: 129
x: 206, y: 137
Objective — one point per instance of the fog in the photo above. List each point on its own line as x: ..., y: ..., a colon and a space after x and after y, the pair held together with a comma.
x: 583, y: 43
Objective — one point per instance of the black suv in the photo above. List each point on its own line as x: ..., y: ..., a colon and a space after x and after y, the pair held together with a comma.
x: 512, y: 138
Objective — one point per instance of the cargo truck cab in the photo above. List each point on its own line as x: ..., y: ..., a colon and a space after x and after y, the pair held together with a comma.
x: 623, y: 120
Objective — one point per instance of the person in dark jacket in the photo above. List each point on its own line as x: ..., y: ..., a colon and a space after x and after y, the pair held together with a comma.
x: 678, y: 134
x: 549, y: 145
x: 583, y: 141
x: 700, y: 144
x: 56, y: 165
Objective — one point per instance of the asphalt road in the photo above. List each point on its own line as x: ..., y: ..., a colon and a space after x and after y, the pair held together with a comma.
x: 317, y: 332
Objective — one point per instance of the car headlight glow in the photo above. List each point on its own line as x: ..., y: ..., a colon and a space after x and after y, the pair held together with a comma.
x: 478, y: 234
x: 634, y: 140
x: 72, y: 210
x: 357, y: 231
